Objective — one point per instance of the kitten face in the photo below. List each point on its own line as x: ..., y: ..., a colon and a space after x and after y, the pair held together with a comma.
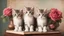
x: 41, y: 13
x: 29, y: 11
x: 17, y: 13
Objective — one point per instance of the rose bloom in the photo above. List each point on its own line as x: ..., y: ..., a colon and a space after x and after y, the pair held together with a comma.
x: 7, y: 12
x: 55, y: 14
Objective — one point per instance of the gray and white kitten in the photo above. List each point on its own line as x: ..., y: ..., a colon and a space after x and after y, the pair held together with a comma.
x: 29, y: 19
x: 17, y: 19
x: 41, y: 21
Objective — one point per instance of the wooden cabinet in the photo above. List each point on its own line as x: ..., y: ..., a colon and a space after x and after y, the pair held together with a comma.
x: 12, y: 33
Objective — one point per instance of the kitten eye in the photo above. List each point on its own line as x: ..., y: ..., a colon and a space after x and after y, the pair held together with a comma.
x: 39, y: 14
x: 29, y: 12
x: 15, y: 15
x: 26, y: 12
x: 43, y: 14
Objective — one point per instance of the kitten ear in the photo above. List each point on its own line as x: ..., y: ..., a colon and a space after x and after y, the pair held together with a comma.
x: 21, y: 11
x: 36, y: 12
x: 13, y: 11
x: 24, y: 10
x: 46, y: 11
x: 32, y: 10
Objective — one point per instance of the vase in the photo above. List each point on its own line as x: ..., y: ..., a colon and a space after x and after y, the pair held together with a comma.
x: 52, y: 27
x: 11, y: 25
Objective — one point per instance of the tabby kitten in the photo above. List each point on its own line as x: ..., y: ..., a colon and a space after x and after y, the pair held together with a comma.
x: 41, y: 21
x: 29, y: 19
x: 17, y: 19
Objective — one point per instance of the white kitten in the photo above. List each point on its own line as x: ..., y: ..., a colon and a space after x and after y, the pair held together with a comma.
x: 17, y: 19
x: 41, y: 20
x: 29, y: 18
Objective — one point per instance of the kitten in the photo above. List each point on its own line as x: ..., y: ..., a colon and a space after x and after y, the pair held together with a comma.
x: 41, y: 21
x: 17, y: 19
x: 29, y: 19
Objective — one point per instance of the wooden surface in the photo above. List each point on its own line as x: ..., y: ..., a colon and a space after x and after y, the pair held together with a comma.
x: 12, y: 33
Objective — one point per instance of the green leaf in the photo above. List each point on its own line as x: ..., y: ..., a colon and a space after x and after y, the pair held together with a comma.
x: 2, y: 16
x: 4, y: 20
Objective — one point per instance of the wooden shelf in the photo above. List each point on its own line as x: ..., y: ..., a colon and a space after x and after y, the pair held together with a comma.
x: 11, y: 33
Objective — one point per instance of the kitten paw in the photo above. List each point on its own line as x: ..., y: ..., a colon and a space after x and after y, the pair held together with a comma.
x: 40, y: 29
x: 15, y: 30
x: 31, y: 29
x: 44, y: 29
x: 20, y: 29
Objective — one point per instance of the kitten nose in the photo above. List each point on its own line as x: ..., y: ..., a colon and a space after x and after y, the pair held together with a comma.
x: 42, y: 16
x: 19, y: 15
x: 29, y: 12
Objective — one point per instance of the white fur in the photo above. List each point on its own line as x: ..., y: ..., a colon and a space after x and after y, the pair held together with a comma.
x: 31, y: 28
x: 28, y: 21
x: 17, y: 21
x: 41, y: 21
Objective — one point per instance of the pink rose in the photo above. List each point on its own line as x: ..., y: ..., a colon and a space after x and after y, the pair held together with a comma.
x: 55, y: 14
x: 7, y: 12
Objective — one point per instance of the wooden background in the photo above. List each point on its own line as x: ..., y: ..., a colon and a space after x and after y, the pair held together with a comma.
x: 59, y: 4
